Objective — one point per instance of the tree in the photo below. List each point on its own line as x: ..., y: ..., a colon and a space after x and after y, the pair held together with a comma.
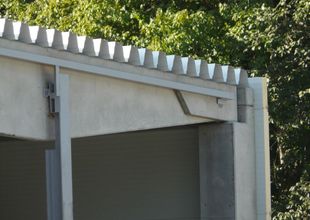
x: 269, y: 38
x: 276, y: 42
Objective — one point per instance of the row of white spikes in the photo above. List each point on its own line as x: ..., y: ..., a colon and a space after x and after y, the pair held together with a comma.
x: 68, y: 41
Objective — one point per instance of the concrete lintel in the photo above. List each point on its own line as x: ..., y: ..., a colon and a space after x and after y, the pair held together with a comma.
x: 98, y: 105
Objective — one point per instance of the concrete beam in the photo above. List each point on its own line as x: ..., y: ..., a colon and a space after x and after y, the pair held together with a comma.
x: 98, y: 105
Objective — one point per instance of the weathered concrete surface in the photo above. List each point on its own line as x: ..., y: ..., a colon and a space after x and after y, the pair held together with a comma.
x: 209, y: 107
x: 227, y: 180
x: 101, y: 105
x: 261, y: 123
x: 216, y: 153
x: 244, y: 166
x: 23, y: 109
x: 98, y: 105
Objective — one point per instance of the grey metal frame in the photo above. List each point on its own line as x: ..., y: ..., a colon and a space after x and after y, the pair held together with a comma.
x: 58, y: 160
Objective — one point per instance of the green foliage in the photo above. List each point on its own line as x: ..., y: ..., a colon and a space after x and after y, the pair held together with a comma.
x: 297, y: 202
x: 184, y: 33
x: 276, y: 42
x: 269, y: 38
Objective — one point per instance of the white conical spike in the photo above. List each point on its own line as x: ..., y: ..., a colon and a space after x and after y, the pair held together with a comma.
x: 202, y: 69
x: 76, y: 43
x: 229, y: 74
x: 175, y: 64
x: 89, y: 47
x: 24, y: 34
x: 177, y: 67
x: 73, y: 43
x: 131, y: 55
x: 104, y: 50
x: 45, y: 37
x: 11, y: 29
x: 216, y: 72
x: 8, y: 31
x: 241, y: 77
x: 162, y: 64
x: 28, y: 34
x: 57, y: 40
x: 134, y: 57
x: 116, y: 51
x: 189, y: 66
x: 146, y: 57
x: 60, y: 40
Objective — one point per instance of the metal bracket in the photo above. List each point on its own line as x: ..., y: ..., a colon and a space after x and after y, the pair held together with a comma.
x: 53, y: 100
x: 220, y: 102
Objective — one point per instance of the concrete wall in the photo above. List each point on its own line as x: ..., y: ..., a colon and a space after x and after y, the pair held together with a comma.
x: 23, y: 108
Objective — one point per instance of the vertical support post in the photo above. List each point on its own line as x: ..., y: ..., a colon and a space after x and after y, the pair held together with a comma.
x: 58, y: 160
x: 261, y: 127
x: 227, y: 171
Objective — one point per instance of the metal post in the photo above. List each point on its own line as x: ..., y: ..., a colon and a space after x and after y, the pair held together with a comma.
x: 58, y: 160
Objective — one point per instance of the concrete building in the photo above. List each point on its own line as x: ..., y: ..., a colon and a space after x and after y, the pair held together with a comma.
x: 93, y: 130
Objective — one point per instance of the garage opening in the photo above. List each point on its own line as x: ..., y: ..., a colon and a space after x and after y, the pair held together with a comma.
x: 140, y: 175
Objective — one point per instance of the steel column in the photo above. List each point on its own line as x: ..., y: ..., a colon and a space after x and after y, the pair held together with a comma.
x: 58, y: 160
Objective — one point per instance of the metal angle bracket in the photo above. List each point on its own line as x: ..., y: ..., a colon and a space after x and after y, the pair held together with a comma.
x: 220, y: 102
x: 52, y: 98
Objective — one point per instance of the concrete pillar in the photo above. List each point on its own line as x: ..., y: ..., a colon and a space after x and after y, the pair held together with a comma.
x: 261, y: 127
x: 228, y: 165
x: 227, y: 171
x: 216, y: 162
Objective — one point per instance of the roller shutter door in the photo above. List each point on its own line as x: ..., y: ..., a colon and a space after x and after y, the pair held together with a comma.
x: 22, y: 182
x: 148, y: 175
